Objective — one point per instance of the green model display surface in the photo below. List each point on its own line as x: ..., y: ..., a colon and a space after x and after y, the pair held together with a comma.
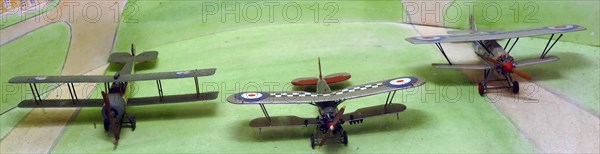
x: 248, y: 55
x: 444, y: 115
x: 10, y: 19
x: 42, y: 51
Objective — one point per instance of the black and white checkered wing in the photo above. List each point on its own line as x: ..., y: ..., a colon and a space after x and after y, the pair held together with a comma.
x: 300, y: 97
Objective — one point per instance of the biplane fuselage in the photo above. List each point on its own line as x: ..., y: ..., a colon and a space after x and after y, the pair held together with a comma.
x: 115, y: 94
x: 330, y: 119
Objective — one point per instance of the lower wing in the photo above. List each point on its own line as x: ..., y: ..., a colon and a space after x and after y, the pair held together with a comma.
x: 537, y: 61
x: 282, y: 121
x: 462, y: 66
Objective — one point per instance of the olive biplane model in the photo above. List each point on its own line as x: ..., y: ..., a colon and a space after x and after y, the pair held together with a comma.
x: 115, y: 95
x: 330, y: 120
x: 496, y: 58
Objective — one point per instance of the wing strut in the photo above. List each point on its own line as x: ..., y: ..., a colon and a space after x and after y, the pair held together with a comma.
x: 72, y: 92
x: 34, y: 91
x: 511, y: 47
x: 442, y: 50
x: 389, y: 99
x: 484, y: 47
x: 262, y: 106
x: 546, y: 49
x: 197, y: 87
x: 105, y: 86
x: 160, y: 90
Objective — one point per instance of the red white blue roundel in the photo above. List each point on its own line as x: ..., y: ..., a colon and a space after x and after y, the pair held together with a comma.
x: 429, y: 38
x: 182, y: 73
x: 40, y: 78
x: 400, y: 82
x: 251, y: 96
x: 563, y: 27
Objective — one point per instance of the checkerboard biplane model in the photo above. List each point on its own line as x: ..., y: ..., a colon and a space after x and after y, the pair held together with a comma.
x: 115, y: 97
x: 330, y: 120
x: 496, y: 58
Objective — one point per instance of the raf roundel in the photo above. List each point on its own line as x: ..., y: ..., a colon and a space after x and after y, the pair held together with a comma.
x: 563, y: 27
x: 430, y: 38
x: 40, y: 78
x: 251, y: 96
x: 182, y: 73
x: 400, y: 82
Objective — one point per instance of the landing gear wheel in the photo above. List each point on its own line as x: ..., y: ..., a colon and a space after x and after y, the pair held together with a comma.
x: 106, y: 124
x: 515, y: 87
x: 312, y: 141
x: 480, y: 88
x: 132, y: 120
x: 345, y: 138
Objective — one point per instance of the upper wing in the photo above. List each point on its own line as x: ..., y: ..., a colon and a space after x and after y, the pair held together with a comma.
x: 104, y: 78
x: 306, y: 97
x: 496, y: 35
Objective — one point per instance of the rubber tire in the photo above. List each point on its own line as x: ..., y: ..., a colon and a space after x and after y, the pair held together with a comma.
x: 515, y: 87
x: 133, y: 123
x: 480, y: 88
x: 312, y: 141
x: 345, y: 138
x: 106, y: 124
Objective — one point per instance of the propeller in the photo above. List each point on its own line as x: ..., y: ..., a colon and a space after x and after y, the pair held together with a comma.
x: 110, y: 116
x: 331, y: 125
x: 508, y: 67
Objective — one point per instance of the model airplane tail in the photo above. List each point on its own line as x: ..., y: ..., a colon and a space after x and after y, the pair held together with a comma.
x: 472, y: 24
x: 329, y: 79
x: 121, y: 57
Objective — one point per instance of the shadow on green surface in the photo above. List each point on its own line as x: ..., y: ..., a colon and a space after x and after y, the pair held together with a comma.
x: 408, y: 119
x: 174, y: 111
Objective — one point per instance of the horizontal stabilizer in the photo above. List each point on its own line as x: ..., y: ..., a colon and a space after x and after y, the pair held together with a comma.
x: 172, y: 99
x: 119, y: 57
x: 61, y: 103
x: 146, y: 56
x: 310, y: 81
x: 374, y: 111
x: 462, y: 66
x: 337, y: 77
x: 282, y: 121
x: 537, y: 61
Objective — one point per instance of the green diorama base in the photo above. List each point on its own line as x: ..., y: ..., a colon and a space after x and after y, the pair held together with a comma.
x: 42, y: 51
x: 445, y: 115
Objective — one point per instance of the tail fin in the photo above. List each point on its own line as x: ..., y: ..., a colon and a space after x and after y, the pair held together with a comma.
x: 132, y: 49
x: 320, y: 74
x: 472, y: 24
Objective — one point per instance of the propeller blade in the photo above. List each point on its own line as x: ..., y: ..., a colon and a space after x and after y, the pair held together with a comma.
x: 325, y: 137
x: 110, y: 116
x: 490, y: 59
x: 337, y: 118
x: 522, y: 74
x: 339, y: 115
